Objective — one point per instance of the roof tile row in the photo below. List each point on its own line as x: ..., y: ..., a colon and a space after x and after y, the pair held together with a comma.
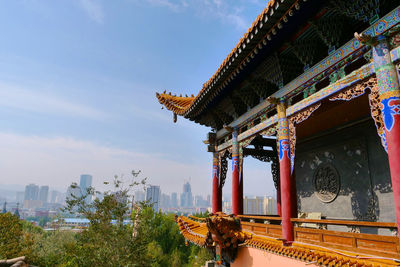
x: 174, y: 103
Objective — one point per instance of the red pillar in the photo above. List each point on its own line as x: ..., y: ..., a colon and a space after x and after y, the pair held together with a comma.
x: 220, y: 196
x: 216, y: 190
x: 235, y: 175
x: 287, y: 200
x: 278, y: 200
x: 294, y: 194
x: 240, y: 184
x: 389, y: 93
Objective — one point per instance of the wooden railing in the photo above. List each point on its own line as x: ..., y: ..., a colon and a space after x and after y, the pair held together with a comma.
x: 353, y: 225
x: 315, y: 232
x: 263, y: 225
x: 261, y: 219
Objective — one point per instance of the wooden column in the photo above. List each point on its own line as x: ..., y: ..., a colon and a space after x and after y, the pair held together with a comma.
x: 240, y: 196
x: 216, y: 190
x: 294, y: 194
x: 389, y: 93
x: 237, y: 197
x: 287, y: 201
x: 220, y: 193
x: 278, y: 201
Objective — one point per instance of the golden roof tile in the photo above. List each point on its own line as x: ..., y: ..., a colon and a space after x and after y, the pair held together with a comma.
x: 176, y: 104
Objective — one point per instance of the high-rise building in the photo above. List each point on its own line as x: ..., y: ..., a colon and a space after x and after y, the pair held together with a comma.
x: 199, y: 201
x: 174, y: 200
x: 31, y: 192
x: 186, y: 196
x: 165, y: 201
x: 56, y: 197
x: 85, y: 183
x: 253, y: 205
x: 44, y: 193
x: 153, y: 196
x: 270, y: 205
x: 53, y: 196
x: 259, y: 205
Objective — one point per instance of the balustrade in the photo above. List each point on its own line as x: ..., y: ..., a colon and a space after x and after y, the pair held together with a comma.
x: 316, y: 232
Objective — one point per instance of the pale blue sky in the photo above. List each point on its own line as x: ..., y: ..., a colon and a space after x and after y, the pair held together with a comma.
x: 78, y: 81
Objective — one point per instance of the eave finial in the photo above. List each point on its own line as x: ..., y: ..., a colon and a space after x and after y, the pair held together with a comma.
x: 228, y: 128
x: 365, y: 38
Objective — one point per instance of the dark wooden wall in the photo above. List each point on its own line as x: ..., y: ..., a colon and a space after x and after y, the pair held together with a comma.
x: 357, y: 155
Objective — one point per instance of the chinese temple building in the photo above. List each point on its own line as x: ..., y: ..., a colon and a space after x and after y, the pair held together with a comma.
x: 313, y: 89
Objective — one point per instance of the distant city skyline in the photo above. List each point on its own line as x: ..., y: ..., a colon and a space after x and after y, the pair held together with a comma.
x: 38, y: 201
x: 51, y: 193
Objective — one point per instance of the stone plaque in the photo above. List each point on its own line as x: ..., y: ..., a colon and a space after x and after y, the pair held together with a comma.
x: 326, y: 183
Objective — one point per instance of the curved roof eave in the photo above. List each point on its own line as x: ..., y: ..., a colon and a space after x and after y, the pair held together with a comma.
x: 189, y: 107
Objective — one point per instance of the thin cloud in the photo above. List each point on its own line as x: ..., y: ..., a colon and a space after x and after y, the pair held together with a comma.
x: 233, y: 18
x: 176, y: 6
x: 93, y: 9
x: 12, y: 96
x: 58, y: 161
x: 165, y: 3
x: 207, y: 9
x: 223, y: 11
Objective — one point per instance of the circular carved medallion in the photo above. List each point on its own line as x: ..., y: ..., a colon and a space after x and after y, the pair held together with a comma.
x: 326, y: 183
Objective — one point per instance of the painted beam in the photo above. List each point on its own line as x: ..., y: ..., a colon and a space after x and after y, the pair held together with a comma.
x: 256, y: 152
x: 347, y: 81
x: 382, y: 25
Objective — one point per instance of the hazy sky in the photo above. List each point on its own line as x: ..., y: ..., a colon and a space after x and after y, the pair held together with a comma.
x: 78, y: 81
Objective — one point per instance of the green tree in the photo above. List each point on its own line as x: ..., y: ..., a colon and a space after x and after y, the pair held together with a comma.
x: 162, y: 229
x: 198, y: 256
x: 109, y: 239
x: 13, y: 241
x: 43, y: 221
x: 176, y: 258
x: 120, y: 233
x: 201, y: 214
x: 50, y: 248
